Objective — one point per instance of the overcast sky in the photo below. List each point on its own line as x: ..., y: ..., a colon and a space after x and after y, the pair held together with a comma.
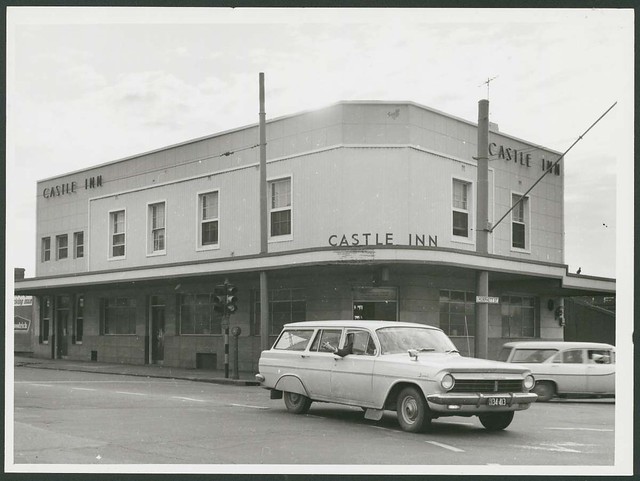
x: 87, y: 86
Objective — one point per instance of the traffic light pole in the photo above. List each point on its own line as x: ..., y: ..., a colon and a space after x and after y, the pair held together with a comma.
x: 225, y: 323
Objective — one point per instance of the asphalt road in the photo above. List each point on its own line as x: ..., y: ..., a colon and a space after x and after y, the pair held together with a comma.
x: 63, y: 417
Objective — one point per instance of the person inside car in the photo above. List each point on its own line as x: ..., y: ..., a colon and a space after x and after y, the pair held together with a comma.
x: 347, y: 349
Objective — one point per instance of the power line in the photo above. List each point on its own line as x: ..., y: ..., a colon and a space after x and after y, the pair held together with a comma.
x: 551, y: 168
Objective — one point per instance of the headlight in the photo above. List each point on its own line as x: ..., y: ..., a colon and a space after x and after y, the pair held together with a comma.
x: 447, y: 382
x: 529, y: 382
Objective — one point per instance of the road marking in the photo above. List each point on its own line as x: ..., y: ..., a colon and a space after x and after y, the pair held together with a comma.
x: 248, y: 406
x: 551, y: 447
x: 584, y: 429
x: 82, y: 389
x: 43, y: 385
x: 446, y: 446
x: 188, y: 399
x: 385, y: 429
x: 132, y: 393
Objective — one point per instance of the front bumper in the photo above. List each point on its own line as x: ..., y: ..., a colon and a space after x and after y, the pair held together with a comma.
x: 474, y: 402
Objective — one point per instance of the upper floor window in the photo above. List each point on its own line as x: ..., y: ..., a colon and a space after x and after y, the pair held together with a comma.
x: 117, y: 233
x: 460, y: 202
x: 62, y: 246
x: 208, y: 215
x: 519, y: 217
x: 156, y: 228
x: 46, y: 249
x: 280, y: 207
x: 78, y: 244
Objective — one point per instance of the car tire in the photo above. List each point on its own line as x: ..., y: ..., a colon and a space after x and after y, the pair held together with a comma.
x: 413, y: 411
x: 496, y: 421
x: 545, y: 391
x: 296, y: 403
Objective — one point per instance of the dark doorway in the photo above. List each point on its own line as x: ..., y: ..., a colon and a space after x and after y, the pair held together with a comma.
x: 157, y: 312
x: 63, y: 313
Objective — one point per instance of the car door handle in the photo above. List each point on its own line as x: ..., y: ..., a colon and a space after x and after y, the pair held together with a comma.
x: 304, y: 355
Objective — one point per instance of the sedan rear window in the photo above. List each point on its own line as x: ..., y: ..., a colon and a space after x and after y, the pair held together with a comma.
x: 294, y: 340
x: 533, y: 355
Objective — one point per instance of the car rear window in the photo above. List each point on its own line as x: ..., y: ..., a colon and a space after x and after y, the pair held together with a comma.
x: 294, y: 340
x: 533, y: 355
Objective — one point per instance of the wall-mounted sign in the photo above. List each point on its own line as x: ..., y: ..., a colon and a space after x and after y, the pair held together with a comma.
x: 22, y: 300
x: 21, y: 324
x: 487, y: 300
x: 71, y: 187
x: 520, y: 157
x: 377, y: 239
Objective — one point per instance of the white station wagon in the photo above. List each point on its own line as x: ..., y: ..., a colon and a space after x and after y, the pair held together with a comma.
x: 413, y: 369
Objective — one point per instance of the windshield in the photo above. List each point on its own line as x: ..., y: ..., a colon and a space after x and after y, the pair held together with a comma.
x: 394, y: 340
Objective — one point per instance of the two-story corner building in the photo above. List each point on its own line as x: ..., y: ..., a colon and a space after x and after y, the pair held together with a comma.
x: 371, y: 215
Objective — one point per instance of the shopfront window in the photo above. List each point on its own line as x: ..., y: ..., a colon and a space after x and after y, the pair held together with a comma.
x: 457, y: 313
x: 78, y: 328
x: 118, y: 315
x: 375, y: 303
x: 285, y: 305
x: 197, y: 315
x: 518, y: 317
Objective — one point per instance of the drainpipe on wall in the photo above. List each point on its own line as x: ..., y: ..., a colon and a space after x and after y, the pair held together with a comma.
x: 481, y: 339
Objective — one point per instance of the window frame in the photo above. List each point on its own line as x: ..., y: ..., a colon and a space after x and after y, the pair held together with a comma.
x: 200, y: 221
x: 45, y: 252
x: 506, y: 333
x: 469, y: 300
x: 526, y: 223
x: 60, y: 248
x: 77, y: 244
x: 272, y: 210
x: 469, y: 210
x: 130, y: 308
x: 151, y: 251
x: 215, y: 318
x: 46, y: 319
x: 112, y: 234
x: 296, y: 295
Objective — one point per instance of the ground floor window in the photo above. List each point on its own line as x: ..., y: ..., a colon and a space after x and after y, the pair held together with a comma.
x: 518, y: 316
x: 197, y: 315
x: 457, y: 313
x: 46, y: 311
x: 285, y: 305
x: 375, y: 303
x: 118, y: 315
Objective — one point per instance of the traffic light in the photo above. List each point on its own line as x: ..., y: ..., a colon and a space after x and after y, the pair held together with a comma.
x: 219, y: 298
x: 231, y: 300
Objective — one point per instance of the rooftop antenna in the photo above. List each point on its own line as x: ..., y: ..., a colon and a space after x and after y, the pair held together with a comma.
x: 487, y: 82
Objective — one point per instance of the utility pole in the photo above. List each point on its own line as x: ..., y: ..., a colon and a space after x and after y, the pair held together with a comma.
x: 481, y: 343
x: 264, y: 225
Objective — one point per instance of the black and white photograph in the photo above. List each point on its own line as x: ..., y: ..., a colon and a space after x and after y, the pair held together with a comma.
x: 319, y: 241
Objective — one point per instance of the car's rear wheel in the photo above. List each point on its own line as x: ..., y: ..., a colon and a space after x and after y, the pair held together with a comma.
x: 413, y: 411
x: 496, y: 421
x: 545, y: 390
x: 296, y: 403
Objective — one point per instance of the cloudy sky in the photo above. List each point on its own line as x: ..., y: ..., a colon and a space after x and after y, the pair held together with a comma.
x: 87, y: 86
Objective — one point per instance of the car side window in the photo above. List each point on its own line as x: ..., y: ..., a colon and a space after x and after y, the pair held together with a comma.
x: 294, y: 340
x: 599, y: 356
x: 326, y: 338
x: 573, y: 356
x: 363, y: 344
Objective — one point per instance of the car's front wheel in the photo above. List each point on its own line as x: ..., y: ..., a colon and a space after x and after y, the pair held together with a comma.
x: 496, y: 421
x: 544, y: 390
x: 296, y: 403
x: 413, y: 411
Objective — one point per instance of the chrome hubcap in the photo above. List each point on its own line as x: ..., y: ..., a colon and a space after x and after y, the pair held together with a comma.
x: 410, y: 410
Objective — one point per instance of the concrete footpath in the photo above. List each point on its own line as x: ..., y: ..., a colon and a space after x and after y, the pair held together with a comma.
x: 156, y: 371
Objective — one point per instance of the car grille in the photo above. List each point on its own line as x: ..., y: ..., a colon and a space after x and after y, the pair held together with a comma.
x: 487, y: 385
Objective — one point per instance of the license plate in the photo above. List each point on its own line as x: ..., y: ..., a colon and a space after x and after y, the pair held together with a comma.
x: 496, y: 401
